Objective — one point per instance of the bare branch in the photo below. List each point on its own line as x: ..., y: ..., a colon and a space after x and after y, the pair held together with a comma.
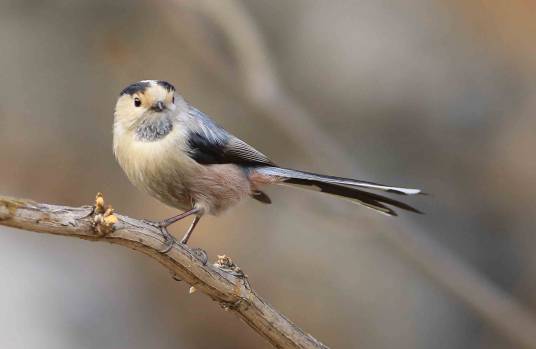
x: 223, y: 281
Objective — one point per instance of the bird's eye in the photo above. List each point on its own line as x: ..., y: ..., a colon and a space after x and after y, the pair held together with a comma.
x: 173, y: 100
x: 137, y: 102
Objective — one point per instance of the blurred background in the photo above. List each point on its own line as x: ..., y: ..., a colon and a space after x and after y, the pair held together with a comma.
x: 433, y: 94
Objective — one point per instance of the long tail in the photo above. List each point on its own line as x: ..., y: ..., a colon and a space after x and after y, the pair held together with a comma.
x: 345, y: 187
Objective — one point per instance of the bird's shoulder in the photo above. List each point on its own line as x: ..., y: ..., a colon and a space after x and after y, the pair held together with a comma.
x: 208, y: 143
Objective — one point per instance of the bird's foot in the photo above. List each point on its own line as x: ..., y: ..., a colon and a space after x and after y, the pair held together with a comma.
x: 153, y: 224
x: 200, y: 254
x: 169, y: 240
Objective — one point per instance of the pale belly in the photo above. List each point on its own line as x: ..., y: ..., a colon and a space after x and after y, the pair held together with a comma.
x: 175, y: 179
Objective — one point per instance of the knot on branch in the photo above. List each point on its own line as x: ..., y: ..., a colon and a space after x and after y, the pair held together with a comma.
x: 104, y: 218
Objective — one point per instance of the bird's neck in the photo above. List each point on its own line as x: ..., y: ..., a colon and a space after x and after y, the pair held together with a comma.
x: 153, y: 128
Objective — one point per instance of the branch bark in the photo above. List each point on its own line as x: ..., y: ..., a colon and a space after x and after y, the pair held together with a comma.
x: 223, y: 282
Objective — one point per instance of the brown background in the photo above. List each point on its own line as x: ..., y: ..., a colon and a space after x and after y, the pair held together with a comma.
x: 434, y: 94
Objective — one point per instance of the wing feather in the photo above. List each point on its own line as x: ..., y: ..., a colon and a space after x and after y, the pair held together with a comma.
x: 210, y: 143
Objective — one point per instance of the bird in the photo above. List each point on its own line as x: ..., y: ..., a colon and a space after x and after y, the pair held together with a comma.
x: 180, y: 156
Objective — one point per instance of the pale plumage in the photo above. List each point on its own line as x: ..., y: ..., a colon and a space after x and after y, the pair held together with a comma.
x: 179, y: 155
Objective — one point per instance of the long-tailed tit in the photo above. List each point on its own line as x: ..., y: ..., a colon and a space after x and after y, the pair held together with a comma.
x: 179, y: 155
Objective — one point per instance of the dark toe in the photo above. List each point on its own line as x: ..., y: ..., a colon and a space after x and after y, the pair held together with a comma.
x: 169, y: 240
x: 200, y: 254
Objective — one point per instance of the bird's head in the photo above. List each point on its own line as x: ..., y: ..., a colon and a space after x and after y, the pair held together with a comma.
x: 143, y: 100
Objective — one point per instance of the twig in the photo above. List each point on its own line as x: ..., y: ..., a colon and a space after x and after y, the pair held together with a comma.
x: 224, y: 282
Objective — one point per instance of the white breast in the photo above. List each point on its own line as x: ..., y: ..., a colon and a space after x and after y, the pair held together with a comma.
x: 164, y: 170
x: 159, y: 168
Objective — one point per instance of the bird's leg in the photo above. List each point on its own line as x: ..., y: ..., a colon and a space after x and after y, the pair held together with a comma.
x: 162, y: 225
x: 186, y: 236
x: 170, y: 221
x: 198, y: 252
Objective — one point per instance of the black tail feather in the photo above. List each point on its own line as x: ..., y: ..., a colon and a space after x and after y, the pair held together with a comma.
x: 355, y: 190
x: 261, y: 196
x: 371, y: 200
x: 347, y: 182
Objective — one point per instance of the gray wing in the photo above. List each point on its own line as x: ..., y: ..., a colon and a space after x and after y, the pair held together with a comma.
x: 209, y: 143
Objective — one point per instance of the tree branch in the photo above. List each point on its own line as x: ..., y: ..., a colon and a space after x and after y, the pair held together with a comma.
x: 223, y: 281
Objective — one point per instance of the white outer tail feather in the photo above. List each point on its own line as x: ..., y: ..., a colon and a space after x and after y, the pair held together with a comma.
x: 288, y: 173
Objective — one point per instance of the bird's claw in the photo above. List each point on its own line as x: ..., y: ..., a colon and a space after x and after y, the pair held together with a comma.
x: 152, y: 223
x: 169, y: 240
x: 200, y: 254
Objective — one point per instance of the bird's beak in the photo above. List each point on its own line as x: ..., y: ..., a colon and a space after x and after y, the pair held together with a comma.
x: 158, y: 106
